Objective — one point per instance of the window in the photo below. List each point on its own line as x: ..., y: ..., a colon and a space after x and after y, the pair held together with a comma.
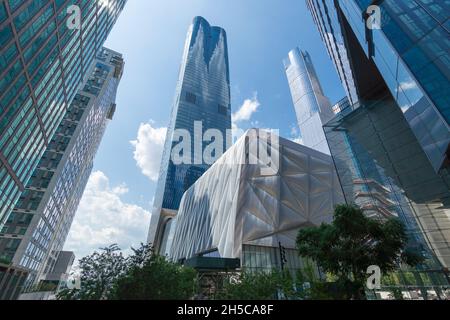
x: 223, y: 110
x: 191, y: 98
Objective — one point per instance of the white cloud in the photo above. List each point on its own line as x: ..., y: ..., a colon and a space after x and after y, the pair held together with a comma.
x: 255, y: 124
x: 121, y: 189
x: 103, y: 218
x: 295, y: 134
x: 246, y: 111
x: 298, y: 140
x: 148, y: 149
x: 294, y: 131
x: 408, y: 85
x: 244, y: 114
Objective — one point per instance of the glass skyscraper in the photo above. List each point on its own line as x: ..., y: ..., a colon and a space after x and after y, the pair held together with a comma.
x: 399, y: 70
x: 202, y: 102
x: 42, y: 64
x: 312, y: 107
x: 330, y: 30
x: 35, y: 231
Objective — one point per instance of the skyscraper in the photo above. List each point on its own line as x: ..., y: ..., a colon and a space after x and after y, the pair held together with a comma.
x: 313, y: 109
x: 202, y: 102
x: 363, y: 180
x: 330, y: 30
x: 43, y: 60
x: 360, y: 180
x: 35, y: 231
x: 398, y: 54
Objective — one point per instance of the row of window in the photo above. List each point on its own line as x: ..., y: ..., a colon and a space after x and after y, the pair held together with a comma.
x: 192, y: 98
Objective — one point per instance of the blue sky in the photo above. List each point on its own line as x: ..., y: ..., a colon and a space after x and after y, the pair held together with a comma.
x: 151, y: 35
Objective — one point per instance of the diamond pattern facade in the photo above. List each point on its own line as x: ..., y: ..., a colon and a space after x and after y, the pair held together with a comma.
x: 235, y: 203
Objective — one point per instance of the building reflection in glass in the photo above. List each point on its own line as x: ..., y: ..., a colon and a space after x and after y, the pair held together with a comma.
x: 383, y: 169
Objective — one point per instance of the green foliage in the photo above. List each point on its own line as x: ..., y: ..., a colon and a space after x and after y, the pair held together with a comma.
x: 99, y: 271
x: 260, y: 286
x: 397, y: 293
x: 390, y: 279
x: 156, y: 279
x: 44, y: 287
x: 143, y: 275
x: 352, y: 243
x: 310, y: 285
x: 5, y: 261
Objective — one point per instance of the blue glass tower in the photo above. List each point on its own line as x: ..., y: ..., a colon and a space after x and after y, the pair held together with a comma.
x: 202, y: 102
x: 328, y: 23
x: 394, y: 60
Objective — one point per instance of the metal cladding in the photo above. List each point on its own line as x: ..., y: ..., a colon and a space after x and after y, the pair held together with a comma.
x: 242, y: 200
x: 312, y: 108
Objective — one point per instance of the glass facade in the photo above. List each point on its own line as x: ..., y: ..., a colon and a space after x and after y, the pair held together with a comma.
x: 399, y: 124
x: 414, y: 46
x: 365, y: 144
x: 36, y: 230
x: 411, y: 53
x: 42, y: 64
x: 168, y: 235
x: 11, y: 282
x: 267, y: 259
x: 366, y: 181
x: 202, y: 98
x: 327, y: 21
x: 313, y: 109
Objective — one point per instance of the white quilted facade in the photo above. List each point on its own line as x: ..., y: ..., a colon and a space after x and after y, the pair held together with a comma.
x: 236, y: 203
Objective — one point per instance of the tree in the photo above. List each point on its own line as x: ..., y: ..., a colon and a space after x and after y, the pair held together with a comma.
x: 142, y: 275
x: 260, y: 286
x: 99, y: 271
x: 5, y: 261
x: 156, y: 279
x: 397, y: 294
x: 353, y: 242
x: 310, y: 284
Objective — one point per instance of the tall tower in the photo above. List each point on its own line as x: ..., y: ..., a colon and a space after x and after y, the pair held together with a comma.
x: 36, y: 230
x: 394, y: 55
x: 44, y: 57
x: 313, y: 109
x: 202, y: 102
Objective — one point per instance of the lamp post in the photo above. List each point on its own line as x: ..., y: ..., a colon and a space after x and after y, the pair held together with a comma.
x: 283, y: 259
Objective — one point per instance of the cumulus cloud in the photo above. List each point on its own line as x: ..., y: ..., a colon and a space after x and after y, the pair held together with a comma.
x: 148, y: 149
x: 408, y: 85
x: 246, y: 111
x: 298, y: 140
x: 295, y: 135
x: 103, y: 218
x: 245, y: 114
